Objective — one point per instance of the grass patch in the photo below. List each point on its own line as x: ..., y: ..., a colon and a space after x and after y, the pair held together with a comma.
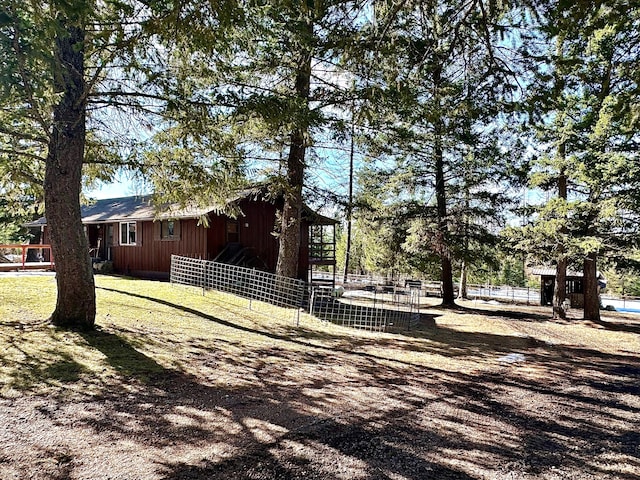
x: 149, y: 329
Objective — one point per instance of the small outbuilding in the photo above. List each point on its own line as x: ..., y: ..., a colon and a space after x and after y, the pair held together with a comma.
x: 574, y: 285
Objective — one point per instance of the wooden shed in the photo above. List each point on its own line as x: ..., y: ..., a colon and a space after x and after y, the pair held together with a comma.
x: 575, y: 286
x: 131, y: 234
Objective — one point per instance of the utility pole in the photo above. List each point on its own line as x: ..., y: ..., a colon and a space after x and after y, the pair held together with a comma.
x: 350, y: 200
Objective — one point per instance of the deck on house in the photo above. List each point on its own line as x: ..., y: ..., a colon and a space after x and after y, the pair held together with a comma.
x: 12, y: 267
x: 17, y: 256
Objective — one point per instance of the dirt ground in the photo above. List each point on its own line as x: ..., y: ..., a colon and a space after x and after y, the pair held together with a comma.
x: 510, y: 394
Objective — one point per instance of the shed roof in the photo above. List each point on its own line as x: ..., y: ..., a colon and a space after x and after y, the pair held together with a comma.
x: 551, y: 272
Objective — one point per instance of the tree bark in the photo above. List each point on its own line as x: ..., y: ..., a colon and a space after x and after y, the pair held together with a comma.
x: 560, y: 293
x: 291, y: 215
x: 76, y: 301
x: 347, y: 256
x: 560, y: 289
x: 590, y: 288
x: 462, y: 289
x: 462, y: 293
x: 448, y: 295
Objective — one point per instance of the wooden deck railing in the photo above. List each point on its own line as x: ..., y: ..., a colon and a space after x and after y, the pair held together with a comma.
x: 23, y: 248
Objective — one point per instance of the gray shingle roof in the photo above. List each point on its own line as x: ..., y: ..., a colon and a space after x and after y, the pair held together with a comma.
x: 130, y: 208
x: 139, y: 208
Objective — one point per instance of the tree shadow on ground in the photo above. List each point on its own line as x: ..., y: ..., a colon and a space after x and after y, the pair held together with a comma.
x: 121, y: 355
x: 473, y: 427
x: 320, y: 412
x: 29, y: 363
x: 618, y: 326
x: 504, y: 311
x: 427, y: 414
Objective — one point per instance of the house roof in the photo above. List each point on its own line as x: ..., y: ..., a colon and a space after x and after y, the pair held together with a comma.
x: 136, y: 208
x: 140, y: 208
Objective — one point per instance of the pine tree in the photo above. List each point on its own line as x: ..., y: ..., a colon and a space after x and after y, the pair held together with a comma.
x: 442, y: 82
x: 62, y: 64
x: 286, y: 90
x: 590, y: 125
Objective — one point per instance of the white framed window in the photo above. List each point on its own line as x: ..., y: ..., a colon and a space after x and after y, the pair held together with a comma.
x: 127, y: 233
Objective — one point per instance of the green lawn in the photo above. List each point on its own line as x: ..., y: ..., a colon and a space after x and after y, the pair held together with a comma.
x: 146, y: 327
x: 143, y: 328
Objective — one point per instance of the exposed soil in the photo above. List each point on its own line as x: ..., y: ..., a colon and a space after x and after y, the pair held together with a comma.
x: 545, y: 402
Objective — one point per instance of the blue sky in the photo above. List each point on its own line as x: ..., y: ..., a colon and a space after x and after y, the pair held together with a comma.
x: 121, y: 187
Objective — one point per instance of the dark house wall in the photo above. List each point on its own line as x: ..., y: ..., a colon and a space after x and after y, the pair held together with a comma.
x: 256, y: 229
x: 216, y: 235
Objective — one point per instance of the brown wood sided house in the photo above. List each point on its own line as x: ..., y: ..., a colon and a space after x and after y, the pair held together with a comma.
x: 139, y: 241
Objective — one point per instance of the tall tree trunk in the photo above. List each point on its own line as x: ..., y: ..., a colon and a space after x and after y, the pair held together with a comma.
x: 590, y: 270
x: 560, y: 292
x: 291, y: 216
x: 76, y: 301
x: 560, y: 289
x: 448, y: 295
x: 462, y: 289
x: 590, y: 285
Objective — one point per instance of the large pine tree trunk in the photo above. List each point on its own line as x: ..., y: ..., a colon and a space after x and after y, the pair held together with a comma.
x: 291, y: 215
x: 76, y: 301
x: 590, y: 284
x: 560, y: 289
x: 448, y: 294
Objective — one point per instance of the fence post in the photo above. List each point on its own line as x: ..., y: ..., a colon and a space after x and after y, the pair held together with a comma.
x: 312, y: 300
x: 203, y: 275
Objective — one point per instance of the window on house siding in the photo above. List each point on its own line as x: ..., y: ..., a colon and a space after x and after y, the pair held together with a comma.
x: 232, y: 231
x: 167, y: 230
x: 128, y: 233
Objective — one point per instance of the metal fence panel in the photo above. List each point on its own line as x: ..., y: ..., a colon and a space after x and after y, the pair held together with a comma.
x: 259, y: 288
x: 372, y: 309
